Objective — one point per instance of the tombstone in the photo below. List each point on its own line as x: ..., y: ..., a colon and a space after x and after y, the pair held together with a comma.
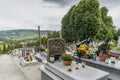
x: 56, y: 47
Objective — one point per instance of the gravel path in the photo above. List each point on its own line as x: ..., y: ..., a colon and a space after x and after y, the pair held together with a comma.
x: 9, y: 70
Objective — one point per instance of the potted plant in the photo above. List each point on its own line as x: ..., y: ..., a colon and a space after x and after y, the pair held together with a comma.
x: 103, y: 50
x: 102, y: 56
x: 90, y: 54
x: 81, y: 50
x: 67, y: 59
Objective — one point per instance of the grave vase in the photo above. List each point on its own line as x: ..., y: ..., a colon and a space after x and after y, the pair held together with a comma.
x: 66, y: 62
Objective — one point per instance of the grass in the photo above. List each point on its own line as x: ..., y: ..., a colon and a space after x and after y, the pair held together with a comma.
x: 26, y: 37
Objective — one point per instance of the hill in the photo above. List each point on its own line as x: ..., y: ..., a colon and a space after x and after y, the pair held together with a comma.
x: 22, y: 34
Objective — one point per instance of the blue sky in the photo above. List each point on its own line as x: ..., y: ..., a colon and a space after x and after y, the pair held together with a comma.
x: 28, y: 14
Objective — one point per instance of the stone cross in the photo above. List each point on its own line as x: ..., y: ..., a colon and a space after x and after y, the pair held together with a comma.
x: 56, y: 47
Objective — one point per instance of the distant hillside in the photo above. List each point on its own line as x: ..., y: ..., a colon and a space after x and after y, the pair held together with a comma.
x: 22, y: 33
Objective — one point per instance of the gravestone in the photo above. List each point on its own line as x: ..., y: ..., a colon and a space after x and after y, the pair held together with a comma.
x: 56, y: 47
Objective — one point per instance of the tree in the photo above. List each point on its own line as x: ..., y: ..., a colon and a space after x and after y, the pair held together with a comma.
x: 53, y: 34
x: 83, y: 20
x: 109, y: 28
x: 0, y: 50
x: 67, y: 26
x: 87, y: 20
x: 44, y: 40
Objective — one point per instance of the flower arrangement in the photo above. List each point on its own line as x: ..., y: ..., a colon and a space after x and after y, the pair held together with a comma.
x: 67, y: 57
x: 82, y: 49
x: 111, y: 54
x: 90, y: 53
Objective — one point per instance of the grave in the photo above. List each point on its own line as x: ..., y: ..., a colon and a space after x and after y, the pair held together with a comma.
x: 56, y: 47
x: 113, y: 69
x: 58, y: 71
x: 27, y: 57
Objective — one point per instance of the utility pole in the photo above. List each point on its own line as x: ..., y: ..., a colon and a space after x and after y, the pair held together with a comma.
x: 39, y: 34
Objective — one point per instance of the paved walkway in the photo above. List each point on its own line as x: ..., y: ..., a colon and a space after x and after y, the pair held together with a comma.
x: 8, y: 70
x: 32, y: 71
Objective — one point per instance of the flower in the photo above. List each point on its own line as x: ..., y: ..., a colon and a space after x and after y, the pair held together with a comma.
x: 67, y: 57
x: 82, y: 48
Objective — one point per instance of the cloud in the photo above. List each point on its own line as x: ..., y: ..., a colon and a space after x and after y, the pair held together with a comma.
x: 62, y: 3
x: 28, y: 14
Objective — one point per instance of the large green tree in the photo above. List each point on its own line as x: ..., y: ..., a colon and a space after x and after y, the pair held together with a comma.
x: 68, y: 25
x: 109, y: 28
x: 85, y: 20
x: 82, y: 21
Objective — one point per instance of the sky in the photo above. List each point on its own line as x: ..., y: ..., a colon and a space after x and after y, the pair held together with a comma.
x: 28, y: 14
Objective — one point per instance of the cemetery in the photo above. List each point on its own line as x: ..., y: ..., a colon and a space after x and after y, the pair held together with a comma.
x: 27, y: 56
x: 62, y: 61
x: 61, y: 64
x: 83, y: 45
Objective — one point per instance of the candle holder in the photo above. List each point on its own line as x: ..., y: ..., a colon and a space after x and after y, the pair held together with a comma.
x: 69, y: 68
x: 77, y: 66
x: 83, y: 64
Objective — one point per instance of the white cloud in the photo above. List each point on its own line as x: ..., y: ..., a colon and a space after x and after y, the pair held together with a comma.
x: 28, y: 14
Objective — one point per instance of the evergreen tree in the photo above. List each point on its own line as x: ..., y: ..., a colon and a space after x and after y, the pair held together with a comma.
x: 67, y: 30
x: 83, y: 20
x: 87, y: 20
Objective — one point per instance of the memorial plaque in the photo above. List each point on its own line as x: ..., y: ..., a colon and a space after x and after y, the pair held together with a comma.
x: 56, y: 47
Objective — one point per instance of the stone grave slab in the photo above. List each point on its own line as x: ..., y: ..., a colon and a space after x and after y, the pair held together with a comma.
x: 87, y: 73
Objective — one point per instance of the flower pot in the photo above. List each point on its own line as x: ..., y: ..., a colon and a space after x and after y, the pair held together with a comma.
x: 66, y: 62
x: 102, y: 57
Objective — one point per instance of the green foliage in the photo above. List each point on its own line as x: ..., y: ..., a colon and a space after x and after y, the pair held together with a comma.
x: 22, y: 33
x: 53, y: 34
x: 44, y: 40
x: 87, y: 20
x: 109, y: 35
x: 109, y: 28
x: 1, y: 47
x: 67, y: 57
x: 4, y: 48
x: 81, y: 21
x: 112, y: 46
x: 34, y: 43
x: 68, y: 26
x: 118, y: 32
